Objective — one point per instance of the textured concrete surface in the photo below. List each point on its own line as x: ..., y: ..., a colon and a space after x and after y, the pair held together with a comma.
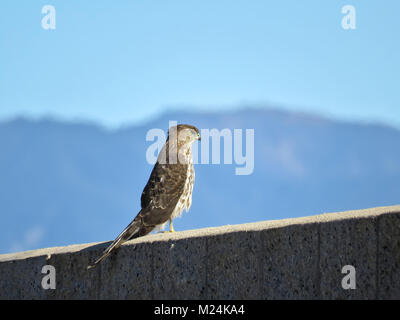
x: 298, y: 258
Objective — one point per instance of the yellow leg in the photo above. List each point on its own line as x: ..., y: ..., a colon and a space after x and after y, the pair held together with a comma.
x: 171, y: 227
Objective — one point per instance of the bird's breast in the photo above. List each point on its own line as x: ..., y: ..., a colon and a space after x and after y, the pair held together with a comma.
x: 185, y: 201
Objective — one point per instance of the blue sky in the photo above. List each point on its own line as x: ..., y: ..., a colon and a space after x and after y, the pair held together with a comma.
x: 120, y: 62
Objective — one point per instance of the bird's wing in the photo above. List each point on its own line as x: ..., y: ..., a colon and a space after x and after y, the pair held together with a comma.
x: 162, y: 192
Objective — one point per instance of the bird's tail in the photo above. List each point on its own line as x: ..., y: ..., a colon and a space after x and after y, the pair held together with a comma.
x: 131, y: 230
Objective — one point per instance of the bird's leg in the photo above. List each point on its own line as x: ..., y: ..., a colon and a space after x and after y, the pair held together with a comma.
x: 171, y: 227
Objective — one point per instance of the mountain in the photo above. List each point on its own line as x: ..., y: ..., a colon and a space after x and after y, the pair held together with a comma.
x: 65, y: 183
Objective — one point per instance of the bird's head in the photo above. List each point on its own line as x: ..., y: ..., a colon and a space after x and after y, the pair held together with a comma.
x: 185, y: 133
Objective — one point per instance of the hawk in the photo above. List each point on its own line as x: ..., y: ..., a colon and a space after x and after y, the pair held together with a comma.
x: 168, y: 191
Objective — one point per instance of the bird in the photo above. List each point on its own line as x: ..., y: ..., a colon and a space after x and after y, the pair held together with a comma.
x: 168, y: 191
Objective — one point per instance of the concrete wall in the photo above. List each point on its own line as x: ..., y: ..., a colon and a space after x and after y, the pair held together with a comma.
x: 298, y: 258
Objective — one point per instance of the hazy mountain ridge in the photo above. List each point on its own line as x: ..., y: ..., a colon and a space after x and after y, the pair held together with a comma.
x: 64, y: 183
